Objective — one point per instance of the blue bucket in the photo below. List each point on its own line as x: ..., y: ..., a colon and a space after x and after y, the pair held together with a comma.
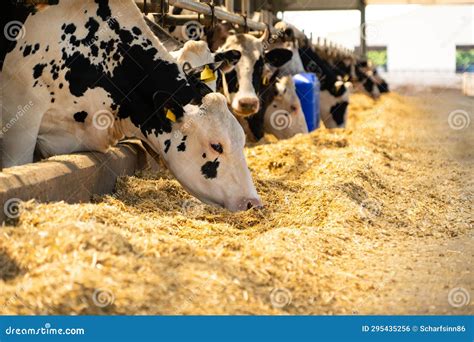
x: 307, y: 89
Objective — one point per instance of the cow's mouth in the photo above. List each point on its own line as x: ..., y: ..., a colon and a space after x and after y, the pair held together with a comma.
x: 243, y: 113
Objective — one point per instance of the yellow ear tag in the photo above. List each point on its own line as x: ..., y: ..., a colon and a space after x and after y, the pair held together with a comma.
x: 170, y: 115
x: 207, y: 75
x: 265, y: 80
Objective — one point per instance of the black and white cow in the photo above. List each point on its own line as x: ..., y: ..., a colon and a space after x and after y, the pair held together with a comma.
x: 280, y: 112
x: 334, y: 95
x: 93, y: 73
x: 242, y: 84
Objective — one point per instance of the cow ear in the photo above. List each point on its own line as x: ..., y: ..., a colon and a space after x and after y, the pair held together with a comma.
x: 289, y: 34
x: 229, y: 58
x: 278, y: 57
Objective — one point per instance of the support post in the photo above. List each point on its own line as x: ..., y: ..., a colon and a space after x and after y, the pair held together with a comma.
x: 363, y: 41
x: 229, y: 5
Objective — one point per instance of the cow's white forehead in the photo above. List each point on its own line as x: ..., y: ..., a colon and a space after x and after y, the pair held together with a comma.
x: 247, y: 44
x: 194, y: 52
x: 219, y: 121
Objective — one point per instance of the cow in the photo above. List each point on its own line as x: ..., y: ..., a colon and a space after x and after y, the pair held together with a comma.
x: 288, y: 36
x: 93, y: 73
x: 284, y: 116
x: 242, y: 84
x: 334, y: 93
x: 280, y: 112
x: 364, y: 77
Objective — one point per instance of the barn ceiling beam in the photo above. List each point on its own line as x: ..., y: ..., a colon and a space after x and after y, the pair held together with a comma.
x: 219, y: 14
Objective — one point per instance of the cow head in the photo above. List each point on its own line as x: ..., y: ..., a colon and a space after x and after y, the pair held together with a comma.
x: 196, y: 54
x: 202, y: 144
x: 204, y: 151
x: 243, y: 82
x: 366, y: 81
x: 284, y: 117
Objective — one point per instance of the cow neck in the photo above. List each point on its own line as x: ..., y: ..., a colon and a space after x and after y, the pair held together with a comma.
x: 267, y: 93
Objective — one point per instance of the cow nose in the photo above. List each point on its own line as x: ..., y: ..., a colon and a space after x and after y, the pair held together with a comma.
x: 249, y: 203
x: 248, y: 104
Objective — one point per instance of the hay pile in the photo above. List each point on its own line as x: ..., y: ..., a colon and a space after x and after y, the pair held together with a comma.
x: 367, y: 220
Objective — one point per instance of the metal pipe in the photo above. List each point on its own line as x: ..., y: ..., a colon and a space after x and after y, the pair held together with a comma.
x: 245, y: 7
x: 219, y: 13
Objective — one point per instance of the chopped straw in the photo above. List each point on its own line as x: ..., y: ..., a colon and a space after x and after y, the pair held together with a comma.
x: 355, y: 221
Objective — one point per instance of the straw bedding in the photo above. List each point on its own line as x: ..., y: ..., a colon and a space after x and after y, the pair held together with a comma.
x: 371, y: 219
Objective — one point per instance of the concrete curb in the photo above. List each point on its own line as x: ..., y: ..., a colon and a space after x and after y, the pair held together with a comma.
x: 71, y: 178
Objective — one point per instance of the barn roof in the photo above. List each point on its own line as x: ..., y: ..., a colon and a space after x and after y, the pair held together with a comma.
x: 308, y: 5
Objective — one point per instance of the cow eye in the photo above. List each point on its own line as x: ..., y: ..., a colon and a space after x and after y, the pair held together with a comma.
x: 293, y: 108
x: 217, y: 147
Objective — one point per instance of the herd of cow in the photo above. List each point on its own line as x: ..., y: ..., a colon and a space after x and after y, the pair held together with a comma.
x: 93, y: 72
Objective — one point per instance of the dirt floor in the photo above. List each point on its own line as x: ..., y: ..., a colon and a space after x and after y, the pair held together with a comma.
x: 374, y: 219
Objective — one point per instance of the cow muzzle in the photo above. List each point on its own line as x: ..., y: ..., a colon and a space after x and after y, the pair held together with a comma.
x: 247, y: 106
x: 245, y: 204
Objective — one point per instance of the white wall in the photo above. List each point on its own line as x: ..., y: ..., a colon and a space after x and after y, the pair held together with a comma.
x: 421, y: 38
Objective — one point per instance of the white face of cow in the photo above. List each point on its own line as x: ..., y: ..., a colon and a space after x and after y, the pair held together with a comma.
x: 244, y: 83
x: 205, y: 153
x: 284, y: 117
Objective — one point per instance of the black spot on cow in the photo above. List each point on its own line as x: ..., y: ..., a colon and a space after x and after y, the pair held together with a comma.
x: 54, y: 70
x: 27, y: 50
x: 103, y: 9
x: 80, y: 116
x: 92, y: 26
x: 182, y: 147
x: 167, y: 145
x: 94, y: 50
x: 338, y: 111
x: 204, y: 155
x: 136, y: 31
x: 70, y: 28
x: 52, y: 100
x: 38, y: 70
x: 36, y: 48
x: 209, y: 169
x: 60, y: 86
x: 369, y: 85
